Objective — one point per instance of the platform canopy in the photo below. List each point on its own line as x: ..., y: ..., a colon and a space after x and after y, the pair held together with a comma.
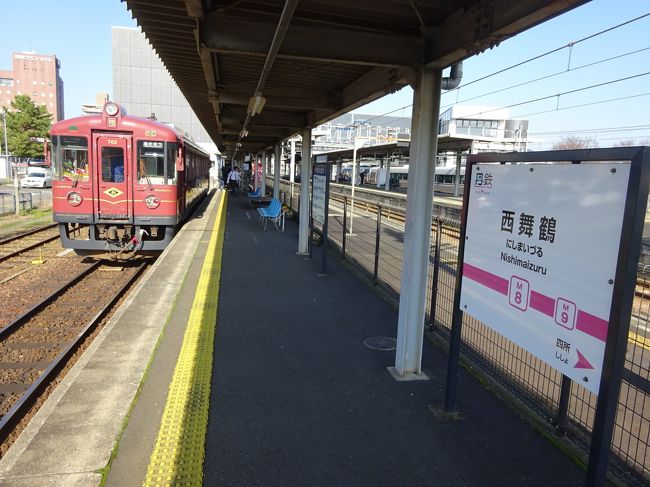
x: 257, y: 71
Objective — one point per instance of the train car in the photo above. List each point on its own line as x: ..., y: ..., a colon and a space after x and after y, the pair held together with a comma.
x: 445, y: 177
x: 123, y: 183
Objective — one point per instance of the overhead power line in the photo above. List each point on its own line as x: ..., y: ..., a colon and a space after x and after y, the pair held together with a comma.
x: 539, y: 56
x: 547, y: 77
x: 569, y: 45
x: 594, y: 130
x: 557, y: 95
x: 583, y: 105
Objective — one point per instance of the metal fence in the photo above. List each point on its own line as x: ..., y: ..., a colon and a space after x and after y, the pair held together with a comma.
x: 371, y: 237
x: 27, y: 202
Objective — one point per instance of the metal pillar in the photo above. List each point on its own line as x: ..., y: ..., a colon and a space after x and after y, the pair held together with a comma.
x: 305, y: 176
x: 457, y: 179
x: 387, y: 182
x: 292, y: 164
x: 426, y: 108
x: 263, y: 184
x: 276, y: 172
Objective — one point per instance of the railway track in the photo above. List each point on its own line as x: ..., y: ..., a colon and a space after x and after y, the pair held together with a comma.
x: 18, y: 244
x: 37, y: 345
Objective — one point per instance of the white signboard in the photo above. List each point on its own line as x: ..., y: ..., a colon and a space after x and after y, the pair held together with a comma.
x: 318, y: 192
x: 540, y: 258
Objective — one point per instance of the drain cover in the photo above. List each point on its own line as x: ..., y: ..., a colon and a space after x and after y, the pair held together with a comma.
x: 380, y: 343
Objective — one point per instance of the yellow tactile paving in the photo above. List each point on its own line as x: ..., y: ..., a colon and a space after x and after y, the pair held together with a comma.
x: 177, y: 458
x: 639, y: 340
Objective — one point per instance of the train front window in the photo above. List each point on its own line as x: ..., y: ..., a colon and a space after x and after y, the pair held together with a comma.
x: 112, y: 164
x: 152, y: 162
x: 70, y: 157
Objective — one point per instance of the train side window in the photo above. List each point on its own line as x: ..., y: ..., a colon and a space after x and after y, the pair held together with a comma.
x: 151, y: 162
x: 70, y: 157
x: 172, y: 152
x: 112, y: 164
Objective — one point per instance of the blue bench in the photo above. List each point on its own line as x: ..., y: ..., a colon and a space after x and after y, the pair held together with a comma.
x: 274, y: 213
x: 255, y: 194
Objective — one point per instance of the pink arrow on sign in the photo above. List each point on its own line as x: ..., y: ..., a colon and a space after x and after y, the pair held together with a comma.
x: 582, y: 362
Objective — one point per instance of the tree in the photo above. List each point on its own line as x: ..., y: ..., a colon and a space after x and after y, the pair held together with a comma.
x: 26, y: 120
x: 573, y: 142
x: 625, y: 143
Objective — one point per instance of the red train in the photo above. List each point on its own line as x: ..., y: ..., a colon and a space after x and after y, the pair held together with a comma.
x: 122, y: 183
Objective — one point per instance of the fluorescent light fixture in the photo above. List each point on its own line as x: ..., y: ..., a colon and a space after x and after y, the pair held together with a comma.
x: 256, y: 103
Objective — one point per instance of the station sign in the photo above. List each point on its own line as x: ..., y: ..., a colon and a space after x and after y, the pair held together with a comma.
x: 541, y: 249
x: 319, y: 192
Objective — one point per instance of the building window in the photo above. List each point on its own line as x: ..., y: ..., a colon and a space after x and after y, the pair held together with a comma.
x: 17, y: 81
x: 35, y: 82
x: 51, y: 95
x: 43, y: 95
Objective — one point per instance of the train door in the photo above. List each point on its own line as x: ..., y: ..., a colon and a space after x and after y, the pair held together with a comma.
x: 112, y: 171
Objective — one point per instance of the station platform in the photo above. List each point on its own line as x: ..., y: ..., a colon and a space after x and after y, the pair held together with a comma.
x: 293, y: 395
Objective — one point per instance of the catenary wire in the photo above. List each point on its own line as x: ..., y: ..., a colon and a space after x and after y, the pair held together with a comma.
x: 557, y: 95
x: 571, y: 44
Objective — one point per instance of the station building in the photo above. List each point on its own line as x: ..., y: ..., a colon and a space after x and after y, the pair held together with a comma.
x: 35, y: 75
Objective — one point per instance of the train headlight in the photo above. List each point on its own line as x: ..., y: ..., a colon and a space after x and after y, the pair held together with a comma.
x: 74, y: 199
x: 152, y: 201
x: 111, y: 109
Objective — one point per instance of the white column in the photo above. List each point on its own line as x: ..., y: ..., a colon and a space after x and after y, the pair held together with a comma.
x: 424, y: 142
x: 387, y: 185
x: 292, y: 164
x: 276, y: 172
x: 263, y: 185
x: 305, y: 176
x: 457, y: 178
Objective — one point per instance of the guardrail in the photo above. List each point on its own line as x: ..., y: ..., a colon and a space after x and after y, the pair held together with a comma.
x: 27, y: 201
x: 371, y: 237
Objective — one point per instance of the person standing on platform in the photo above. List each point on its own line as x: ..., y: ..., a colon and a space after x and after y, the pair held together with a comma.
x: 234, y: 178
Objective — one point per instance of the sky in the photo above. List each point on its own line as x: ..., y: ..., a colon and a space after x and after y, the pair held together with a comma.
x: 78, y: 32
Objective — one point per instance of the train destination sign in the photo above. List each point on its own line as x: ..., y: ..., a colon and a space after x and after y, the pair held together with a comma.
x: 541, y: 248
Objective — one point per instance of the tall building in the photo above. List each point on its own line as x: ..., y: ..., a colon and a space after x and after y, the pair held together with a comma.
x: 142, y: 84
x: 35, y: 75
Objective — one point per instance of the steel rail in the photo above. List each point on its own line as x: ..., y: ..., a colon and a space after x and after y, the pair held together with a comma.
x: 25, y: 234
x: 17, y: 411
x: 28, y: 248
x: 16, y: 323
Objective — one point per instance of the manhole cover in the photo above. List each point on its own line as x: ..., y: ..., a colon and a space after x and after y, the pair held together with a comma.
x: 380, y: 343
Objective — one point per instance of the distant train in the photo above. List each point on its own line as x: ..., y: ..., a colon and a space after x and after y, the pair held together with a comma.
x: 445, y: 177
x: 123, y: 183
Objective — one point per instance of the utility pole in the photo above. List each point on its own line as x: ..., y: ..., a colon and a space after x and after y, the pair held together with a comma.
x: 17, y: 192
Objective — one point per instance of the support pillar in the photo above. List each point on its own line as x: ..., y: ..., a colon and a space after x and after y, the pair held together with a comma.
x: 387, y: 185
x: 424, y: 142
x: 263, y: 184
x: 305, y: 176
x: 292, y: 164
x: 457, y: 178
x: 276, y: 172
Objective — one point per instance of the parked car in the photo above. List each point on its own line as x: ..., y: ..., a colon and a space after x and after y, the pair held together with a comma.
x: 37, y: 177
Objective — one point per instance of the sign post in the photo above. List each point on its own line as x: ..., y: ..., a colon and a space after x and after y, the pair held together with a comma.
x: 320, y: 200
x: 548, y: 259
